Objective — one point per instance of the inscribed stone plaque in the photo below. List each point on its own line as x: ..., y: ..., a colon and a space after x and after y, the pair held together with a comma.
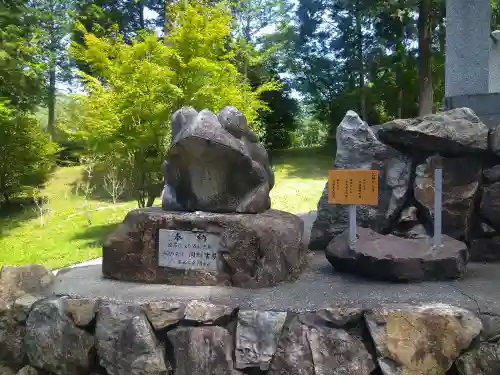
x: 188, y: 250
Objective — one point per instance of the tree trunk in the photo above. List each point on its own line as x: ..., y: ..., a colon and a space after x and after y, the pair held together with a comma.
x: 51, y: 98
x: 400, y: 64
x: 151, y: 200
x: 361, y: 63
x: 425, y: 58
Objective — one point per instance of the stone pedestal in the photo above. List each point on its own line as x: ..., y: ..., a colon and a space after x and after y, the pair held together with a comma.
x: 394, y: 258
x: 201, y: 248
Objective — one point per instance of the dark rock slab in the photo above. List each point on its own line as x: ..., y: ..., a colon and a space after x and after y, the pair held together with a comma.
x: 387, y: 257
x: 482, y: 360
x: 423, y: 339
x: 256, y: 250
x: 202, y: 351
x: 309, y: 345
x: 452, y: 132
x: 257, y: 335
x: 461, y: 182
x: 126, y: 343
x: 490, y: 204
x: 54, y: 343
x: 359, y: 148
x: 215, y: 164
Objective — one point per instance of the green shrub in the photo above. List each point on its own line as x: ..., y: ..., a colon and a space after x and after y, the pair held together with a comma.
x: 26, y: 153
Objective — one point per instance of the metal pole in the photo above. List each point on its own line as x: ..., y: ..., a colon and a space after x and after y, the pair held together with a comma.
x: 438, y: 193
x: 352, y: 224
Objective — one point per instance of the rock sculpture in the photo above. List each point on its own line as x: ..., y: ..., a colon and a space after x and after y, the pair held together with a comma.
x: 215, y: 164
x: 216, y: 207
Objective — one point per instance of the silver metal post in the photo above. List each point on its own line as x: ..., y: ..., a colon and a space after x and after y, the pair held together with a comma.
x: 352, y: 224
x: 438, y: 193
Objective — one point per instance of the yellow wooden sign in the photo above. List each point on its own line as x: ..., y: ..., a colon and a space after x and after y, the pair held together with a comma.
x: 353, y: 186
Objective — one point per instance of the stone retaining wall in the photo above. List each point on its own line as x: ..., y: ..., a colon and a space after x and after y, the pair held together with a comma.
x: 72, y: 336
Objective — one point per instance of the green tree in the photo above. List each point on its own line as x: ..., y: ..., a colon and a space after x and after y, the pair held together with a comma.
x: 55, y: 23
x: 26, y: 153
x: 21, y: 65
x: 146, y: 80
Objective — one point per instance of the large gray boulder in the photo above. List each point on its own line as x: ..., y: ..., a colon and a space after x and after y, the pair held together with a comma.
x: 54, y: 343
x: 452, y: 132
x: 358, y: 147
x: 215, y: 164
x: 126, y: 343
x: 321, y: 343
x: 423, y: 339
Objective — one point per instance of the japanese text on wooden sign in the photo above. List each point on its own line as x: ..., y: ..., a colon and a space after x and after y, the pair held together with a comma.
x: 353, y: 186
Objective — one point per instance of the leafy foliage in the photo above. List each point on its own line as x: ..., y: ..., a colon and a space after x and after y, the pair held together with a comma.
x: 136, y: 87
x: 26, y: 153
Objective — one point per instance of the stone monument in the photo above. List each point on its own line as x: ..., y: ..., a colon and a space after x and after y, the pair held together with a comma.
x: 472, y: 67
x: 395, y: 237
x: 215, y: 225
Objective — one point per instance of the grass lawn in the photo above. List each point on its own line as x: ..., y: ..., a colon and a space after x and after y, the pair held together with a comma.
x: 68, y: 235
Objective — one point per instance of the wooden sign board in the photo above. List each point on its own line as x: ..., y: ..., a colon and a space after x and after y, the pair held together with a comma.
x: 353, y: 186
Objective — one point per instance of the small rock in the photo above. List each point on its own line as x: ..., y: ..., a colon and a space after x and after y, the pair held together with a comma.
x: 53, y: 342
x: 30, y: 370
x: 495, y: 140
x: 491, y: 327
x: 452, y: 132
x: 341, y: 316
x: 202, y: 351
x: 257, y: 335
x: 492, y: 174
x: 11, y: 338
x: 18, y: 281
x: 422, y: 339
x: 309, y: 347
x: 163, y: 314
x: 81, y: 310
x: 4, y: 370
x: 394, y: 258
x: 484, y: 360
x: 22, y: 306
x: 206, y: 312
x: 126, y: 343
